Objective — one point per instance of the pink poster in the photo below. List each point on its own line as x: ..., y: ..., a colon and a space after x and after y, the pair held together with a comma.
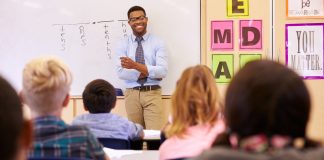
x: 222, y: 35
x: 251, y: 34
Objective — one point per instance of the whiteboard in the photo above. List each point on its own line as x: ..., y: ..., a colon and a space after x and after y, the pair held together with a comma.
x: 83, y: 34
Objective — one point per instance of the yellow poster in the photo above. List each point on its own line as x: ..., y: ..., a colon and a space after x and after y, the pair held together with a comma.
x: 237, y: 8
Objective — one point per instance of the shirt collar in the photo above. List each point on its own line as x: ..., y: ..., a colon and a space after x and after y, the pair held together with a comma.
x: 145, y: 37
x: 48, y: 119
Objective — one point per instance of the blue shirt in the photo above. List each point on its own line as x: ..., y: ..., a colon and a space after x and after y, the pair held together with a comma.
x: 54, y: 138
x: 108, y: 125
x: 155, y: 60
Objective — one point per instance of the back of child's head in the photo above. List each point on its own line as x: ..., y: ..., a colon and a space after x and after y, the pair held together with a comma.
x: 267, y: 97
x: 11, y: 120
x: 99, y: 96
x: 46, y: 83
x: 194, y: 101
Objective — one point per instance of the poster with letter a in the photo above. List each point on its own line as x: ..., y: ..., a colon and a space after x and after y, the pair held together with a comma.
x: 223, y: 67
x: 304, y: 49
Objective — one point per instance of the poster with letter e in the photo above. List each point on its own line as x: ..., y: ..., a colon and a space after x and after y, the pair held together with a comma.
x: 304, y: 49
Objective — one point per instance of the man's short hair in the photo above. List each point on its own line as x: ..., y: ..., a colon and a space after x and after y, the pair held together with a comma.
x: 99, y: 96
x: 46, y: 83
x: 11, y: 120
x: 135, y: 8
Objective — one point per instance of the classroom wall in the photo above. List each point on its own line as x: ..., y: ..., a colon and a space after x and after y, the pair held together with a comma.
x: 216, y: 10
x: 316, y: 87
x: 208, y: 13
x: 76, y: 107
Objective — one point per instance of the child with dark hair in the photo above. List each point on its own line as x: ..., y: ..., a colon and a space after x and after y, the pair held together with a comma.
x: 99, y: 98
x: 267, y: 109
x: 16, y: 133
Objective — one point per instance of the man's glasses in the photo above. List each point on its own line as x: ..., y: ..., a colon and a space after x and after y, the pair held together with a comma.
x: 140, y: 18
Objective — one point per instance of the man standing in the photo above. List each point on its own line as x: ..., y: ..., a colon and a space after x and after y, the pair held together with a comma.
x: 142, y: 63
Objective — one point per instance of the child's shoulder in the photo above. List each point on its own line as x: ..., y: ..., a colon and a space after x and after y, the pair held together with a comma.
x: 118, y: 117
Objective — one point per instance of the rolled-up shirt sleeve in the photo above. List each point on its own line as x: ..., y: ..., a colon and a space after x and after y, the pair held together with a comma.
x: 123, y: 73
x: 160, y: 69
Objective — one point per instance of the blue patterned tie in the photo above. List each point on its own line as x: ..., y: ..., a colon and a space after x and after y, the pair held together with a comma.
x: 139, y: 57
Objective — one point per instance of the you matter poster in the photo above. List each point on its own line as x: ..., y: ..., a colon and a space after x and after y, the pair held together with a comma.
x: 304, y: 49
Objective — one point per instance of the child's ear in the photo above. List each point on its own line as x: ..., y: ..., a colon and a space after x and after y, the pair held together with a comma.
x: 85, y: 108
x: 66, y: 100
x: 21, y: 96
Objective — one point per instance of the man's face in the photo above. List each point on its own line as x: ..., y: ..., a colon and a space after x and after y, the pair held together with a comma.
x: 138, y: 22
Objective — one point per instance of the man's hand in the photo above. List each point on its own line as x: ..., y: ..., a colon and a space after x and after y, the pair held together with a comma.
x: 130, y: 64
x: 127, y: 63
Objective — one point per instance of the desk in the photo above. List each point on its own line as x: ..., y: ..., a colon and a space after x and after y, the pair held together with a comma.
x: 131, y: 154
x: 151, y: 139
x: 152, y: 134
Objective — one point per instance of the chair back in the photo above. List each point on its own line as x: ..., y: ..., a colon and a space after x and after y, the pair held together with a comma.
x: 114, y: 143
x: 119, y: 92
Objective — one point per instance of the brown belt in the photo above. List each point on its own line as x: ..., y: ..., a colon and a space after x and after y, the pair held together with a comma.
x: 147, y: 88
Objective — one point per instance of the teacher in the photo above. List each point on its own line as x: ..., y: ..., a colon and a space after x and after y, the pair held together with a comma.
x: 142, y: 64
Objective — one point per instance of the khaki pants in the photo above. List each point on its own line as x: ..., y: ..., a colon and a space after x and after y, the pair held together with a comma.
x: 145, y: 108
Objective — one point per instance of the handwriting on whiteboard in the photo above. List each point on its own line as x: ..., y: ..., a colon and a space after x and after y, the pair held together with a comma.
x: 106, y: 29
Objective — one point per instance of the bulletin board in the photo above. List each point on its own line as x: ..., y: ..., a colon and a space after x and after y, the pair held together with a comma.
x: 236, y: 31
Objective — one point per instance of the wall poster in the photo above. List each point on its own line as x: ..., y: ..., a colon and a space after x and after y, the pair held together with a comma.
x: 304, y: 49
x: 305, y: 8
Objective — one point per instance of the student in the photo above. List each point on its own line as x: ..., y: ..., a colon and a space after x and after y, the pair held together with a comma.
x: 46, y: 86
x: 16, y: 133
x: 195, y: 115
x: 99, y: 98
x: 142, y: 64
x: 267, y: 108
